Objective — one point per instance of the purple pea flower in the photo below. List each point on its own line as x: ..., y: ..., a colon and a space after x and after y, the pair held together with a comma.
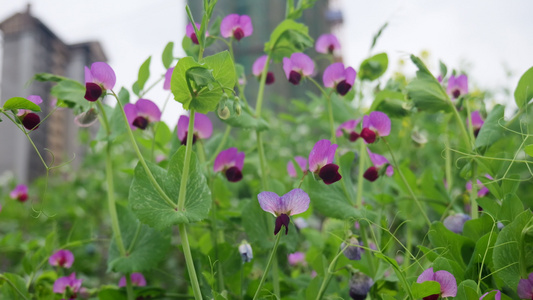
x: 298, y: 66
x: 293, y: 203
x: 62, y: 258
x: 203, y: 128
x: 525, y: 287
x: 448, y: 284
x: 98, y: 78
x: 497, y: 296
x: 321, y: 161
x: 378, y: 161
x: 230, y: 161
x: 259, y: 66
x: 348, y: 130
x: 477, y: 122
x: 302, y: 163
x: 457, y: 86
x: 353, y: 251
x: 168, y: 77
x: 336, y: 76
x: 29, y: 119
x: 68, y: 284
x: 20, y: 193
x: 137, y: 279
x: 327, y: 44
x: 376, y: 124
x: 142, y: 113
x: 360, y: 285
x: 236, y: 26
x: 455, y: 223
x: 296, y: 258
x: 189, y: 31
x: 483, y: 191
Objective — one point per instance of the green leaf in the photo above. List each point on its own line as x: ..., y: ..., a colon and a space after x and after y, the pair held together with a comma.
x: 491, y: 131
x: 245, y: 120
x: 144, y: 73
x: 21, y: 103
x: 205, y: 100
x: 372, y: 68
x: 424, y: 289
x: 168, y: 57
x: 443, y: 69
x: 112, y: 294
x: 378, y: 34
x: 529, y: 150
x: 287, y: 38
x: 467, y: 290
x: 452, y: 246
x: 390, y: 102
x: 511, y: 207
x: 149, y: 248
x: 7, y: 291
x: 524, y: 90
x: 152, y: 209
x: 426, y: 92
x: 72, y: 93
x: 202, y: 78
x: 43, y: 77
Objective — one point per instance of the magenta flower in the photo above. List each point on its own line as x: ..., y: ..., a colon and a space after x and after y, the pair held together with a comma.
x: 321, y: 161
x: 137, y: 279
x: 483, y: 190
x: 457, y: 86
x: 259, y: 66
x: 142, y: 113
x: 230, y: 162
x: 68, y: 284
x: 296, y: 258
x: 327, y: 44
x: 378, y: 161
x: 376, y: 124
x: 448, y: 284
x: 189, y: 31
x: 302, y: 163
x: 348, y: 130
x: 455, y: 223
x: 61, y: 258
x: 98, y: 78
x: 203, y: 128
x: 168, y: 77
x: 29, y: 119
x: 336, y: 76
x: 477, y: 122
x: 525, y: 287
x: 20, y: 193
x: 236, y: 26
x: 293, y: 203
x: 298, y: 66
x: 497, y: 296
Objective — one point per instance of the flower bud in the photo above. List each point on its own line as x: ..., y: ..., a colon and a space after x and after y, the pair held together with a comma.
x: 352, y: 252
x: 87, y: 118
x: 223, y: 112
x: 238, y: 109
x: 246, y: 252
x: 360, y: 285
x: 237, y: 99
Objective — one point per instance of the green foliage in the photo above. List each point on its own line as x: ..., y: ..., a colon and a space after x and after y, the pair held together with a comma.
x: 467, y: 290
x: 392, y: 103
x: 424, y: 289
x: 142, y: 77
x: 20, y: 103
x: 426, y: 92
x: 295, y: 12
x: 13, y: 287
x: 524, y: 90
x: 491, y: 131
x: 372, y: 68
x: 287, y: 38
x: 168, y: 56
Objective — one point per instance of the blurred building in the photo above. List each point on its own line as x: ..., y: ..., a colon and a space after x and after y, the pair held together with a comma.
x: 30, y: 47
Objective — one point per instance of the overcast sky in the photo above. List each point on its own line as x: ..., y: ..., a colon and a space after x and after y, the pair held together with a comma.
x: 480, y: 37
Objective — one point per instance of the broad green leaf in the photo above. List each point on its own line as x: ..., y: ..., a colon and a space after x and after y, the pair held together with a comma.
x: 491, y: 131
x: 511, y: 207
x: 443, y: 69
x: 509, y: 254
x: 392, y: 103
x: 372, y: 68
x: 116, y: 124
x: 149, y: 206
x: 426, y: 92
x: 21, y: 103
x: 145, y: 246
x: 524, y: 90
x: 529, y: 150
x: 144, y: 73
x: 168, y: 56
x: 8, y: 291
x: 482, y: 256
x: 201, y: 77
x: 43, y: 77
x: 71, y: 92
x: 424, y: 289
x: 112, y: 294
x: 467, y: 290
x: 287, y: 38
x: 451, y: 245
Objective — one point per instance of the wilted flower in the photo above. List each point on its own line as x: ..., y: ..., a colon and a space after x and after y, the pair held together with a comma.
x: 348, y: 130
x: 62, y: 258
x: 360, y: 285
x: 457, y: 86
x: 230, y: 162
x: 236, y: 26
x: 30, y: 120
x: 142, y: 113
x: 68, y: 284
x: 296, y: 258
x: 189, y: 31
x: 168, y: 78
x: 448, y: 284
x: 455, y: 223
x: 203, y: 128
x: 98, y: 78
x: 137, y: 279
x: 353, y: 251
x: 293, y: 203
x: 477, y: 122
x: 20, y: 193
x: 259, y: 66
x: 525, y: 287
x: 302, y: 163
x: 327, y: 43
x: 336, y: 76
x: 86, y: 118
x: 321, y: 161
x: 378, y: 161
x: 376, y: 124
x: 298, y: 66
x: 497, y: 296
x: 245, y: 250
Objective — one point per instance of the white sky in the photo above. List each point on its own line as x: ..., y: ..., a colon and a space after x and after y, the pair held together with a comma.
x: 480, y: 37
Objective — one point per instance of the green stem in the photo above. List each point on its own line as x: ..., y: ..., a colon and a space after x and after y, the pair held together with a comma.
x: 186, y: 163
x: 474, y: 213
x: 269, y: 264
x: 135, y: 237
x: 397, y: 167
x: 464, y: 133
x: 360, y: 181
x: 262, y: 161
x: 201, y: 154
x: 330, y: 271
x: 261, y: 91
x: 408, y: 245
x: 156, y: 185
x: 221, y: 144
x: 189, y: 262
x: 129, y: 287
x: 330, y: 110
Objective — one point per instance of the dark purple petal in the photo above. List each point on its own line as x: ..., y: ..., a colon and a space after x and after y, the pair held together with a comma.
x: 353, y: 251
x: 343, y: 88
x: 368, y: 135
x: 93, y: 91
x: 371, y: 174
x: 31, y: 121
x: 20, y: 193
x: 295, y: 77
x: 270, y: 78
x: 233, y: 174
x: 140, y: 122
x: 330, y: 173
x: 282, y: 220
x: 360, y: 285
x: 353, y: 136
x: 238, y: 34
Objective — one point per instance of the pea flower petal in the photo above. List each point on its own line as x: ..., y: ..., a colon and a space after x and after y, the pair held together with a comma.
x: 302, y: 163
x: 137, y: 279
x: 448, y: 284
x: 237, y: 26
x: 20, y: 193
x: 457, y: 86
x: 525, y: 287
x: 230, y: 162
x: 61, y: 258
x: 203, y: 128
x: 327, y: 43
x: 293, y: 203
x: 142, y: 113
x: 297, y: 66
x: 338, y: 77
